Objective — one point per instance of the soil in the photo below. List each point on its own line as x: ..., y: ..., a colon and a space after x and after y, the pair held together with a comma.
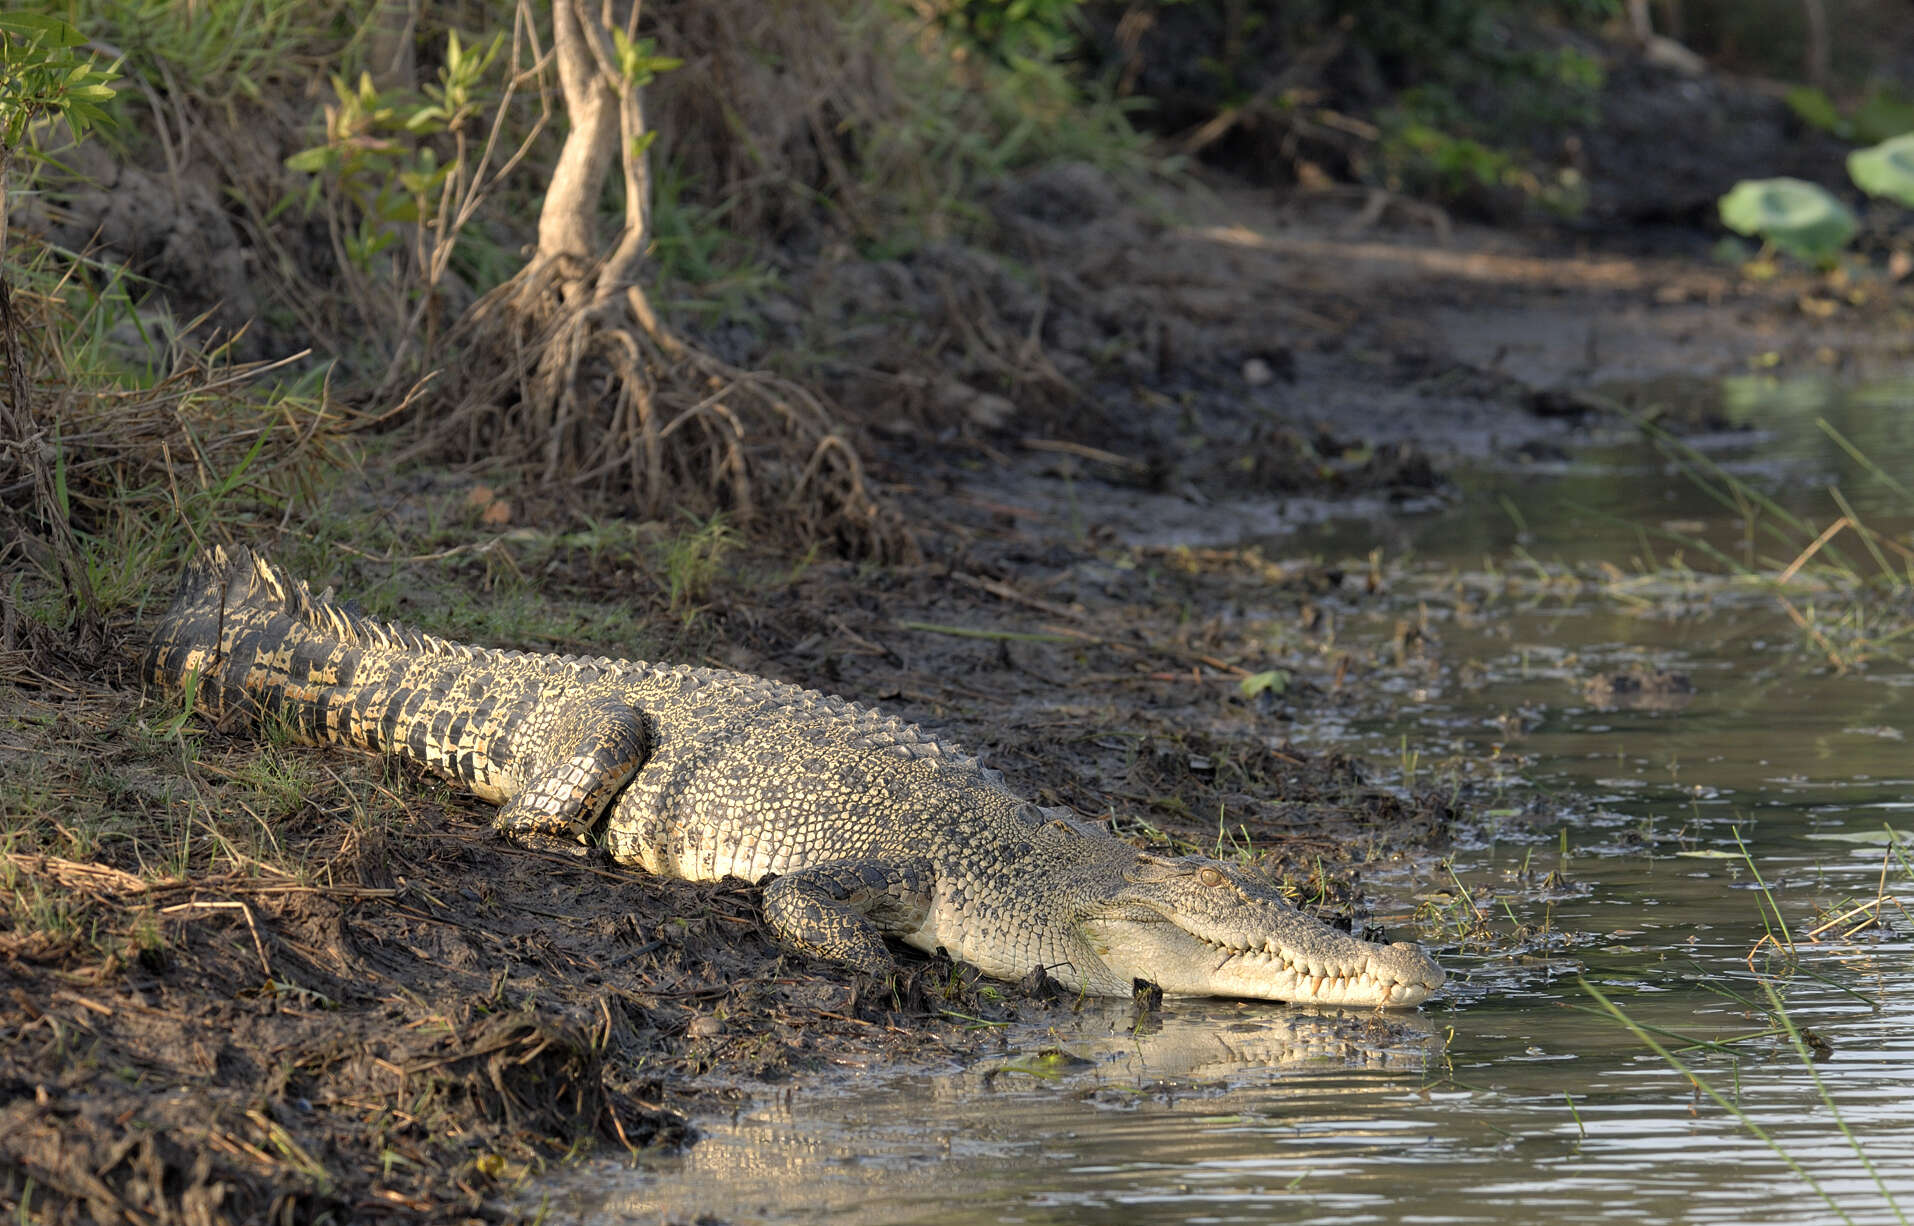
x: 1094, y: 418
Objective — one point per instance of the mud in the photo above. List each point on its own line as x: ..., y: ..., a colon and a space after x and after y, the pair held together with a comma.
x: 420, y: 1022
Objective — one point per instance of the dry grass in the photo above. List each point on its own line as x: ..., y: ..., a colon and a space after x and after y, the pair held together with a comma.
x: 609, y: 399
x: 118, y: 456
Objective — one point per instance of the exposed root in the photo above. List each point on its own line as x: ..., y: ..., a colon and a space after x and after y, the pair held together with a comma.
x: 597, y: 393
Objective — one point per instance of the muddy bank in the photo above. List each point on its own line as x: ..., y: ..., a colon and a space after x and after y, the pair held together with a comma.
x: 249, y: 981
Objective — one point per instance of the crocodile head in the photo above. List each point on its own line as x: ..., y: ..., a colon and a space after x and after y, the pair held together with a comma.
x: 1198, y: 927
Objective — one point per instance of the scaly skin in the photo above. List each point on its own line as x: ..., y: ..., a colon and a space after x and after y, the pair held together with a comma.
x: 865, y: 825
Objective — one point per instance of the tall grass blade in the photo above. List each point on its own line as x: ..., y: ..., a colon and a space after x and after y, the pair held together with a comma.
x: 1767, y: 894
x: 1859, y: 457
x: 1673, y: 1061
x: 1807, y: 1062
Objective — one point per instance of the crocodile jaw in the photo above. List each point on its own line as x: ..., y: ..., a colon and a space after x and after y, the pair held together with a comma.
x: 1199, y: 928
x: 1327, y: 969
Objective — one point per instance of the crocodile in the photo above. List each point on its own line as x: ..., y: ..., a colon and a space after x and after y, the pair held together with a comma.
x: 859, y: 824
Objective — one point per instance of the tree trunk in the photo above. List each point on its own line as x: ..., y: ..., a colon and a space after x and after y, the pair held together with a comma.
x: 567, y: 229
x: 568, y: 360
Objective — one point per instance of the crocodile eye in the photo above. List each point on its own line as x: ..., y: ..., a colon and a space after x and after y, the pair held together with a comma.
x: 1210, y: 876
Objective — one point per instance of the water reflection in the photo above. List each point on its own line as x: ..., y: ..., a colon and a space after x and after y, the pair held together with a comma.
x: 1622, y: 499
x: 1120, y: 1101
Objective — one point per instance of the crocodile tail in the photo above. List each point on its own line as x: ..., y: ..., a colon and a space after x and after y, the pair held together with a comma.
x: 228, y: 595
x: 227, y: 578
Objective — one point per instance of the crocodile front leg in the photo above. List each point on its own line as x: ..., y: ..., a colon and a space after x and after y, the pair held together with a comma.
x: 841, y: 911
x: 592, y: 750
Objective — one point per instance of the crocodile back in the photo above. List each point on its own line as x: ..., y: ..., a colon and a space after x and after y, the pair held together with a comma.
x: 255, y: 644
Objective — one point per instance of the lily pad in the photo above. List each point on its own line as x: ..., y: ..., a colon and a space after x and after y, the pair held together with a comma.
x: 1799, y: 217
x: 1886, y: 169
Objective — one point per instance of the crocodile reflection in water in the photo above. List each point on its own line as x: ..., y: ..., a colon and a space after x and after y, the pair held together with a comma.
x: 863, y: 1154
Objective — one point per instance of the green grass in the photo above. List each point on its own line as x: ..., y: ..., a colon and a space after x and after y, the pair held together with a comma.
x: 1796, y: 1040
x: 705, y: 271
x: 1844, y: 584
x: 690, y: 562
x: 221, y: 53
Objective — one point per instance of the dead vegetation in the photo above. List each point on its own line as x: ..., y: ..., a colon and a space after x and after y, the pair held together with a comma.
x: 249, y: 984
x: 108, y: 471
x: 575, y: 367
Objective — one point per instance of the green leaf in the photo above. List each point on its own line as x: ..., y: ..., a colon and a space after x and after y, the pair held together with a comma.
x: 636, y: 63
x: 311, y: 161
x: 1814, y: 108
x: 391, y: 206
x: 1885, y: 114
x: 426, y: 119
x: 1886, y: 169
x: 1799, y: 217
x: 35, y: 27
x: 1275, y: 681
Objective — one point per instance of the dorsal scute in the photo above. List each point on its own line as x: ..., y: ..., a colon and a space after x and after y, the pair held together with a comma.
x: 236, y: 576
x: 229, y: 577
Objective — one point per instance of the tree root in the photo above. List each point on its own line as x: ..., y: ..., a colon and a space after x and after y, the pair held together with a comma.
x: 596, y: 393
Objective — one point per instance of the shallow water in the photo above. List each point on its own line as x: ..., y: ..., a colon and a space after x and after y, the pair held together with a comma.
x: 1511, y: 1097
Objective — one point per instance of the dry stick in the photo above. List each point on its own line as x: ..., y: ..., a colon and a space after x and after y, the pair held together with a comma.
x: 479, y: 549
x: 1833, y: 530
x: 972, y: 632
x: 72, y: 873
x: 1304, y: 67
x: 118, y: 885
x: 1814, y: 934
x: 251, y: 924
x: 240, y: 1149
x: 1003, y: 591
x: 1083, y: 451
x: 295, y: 1154
x: 241, y: 373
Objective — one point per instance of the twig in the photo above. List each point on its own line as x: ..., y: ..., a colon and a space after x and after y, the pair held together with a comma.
x: 1814, y: 632
x: 251, y: 924
x: 1085, y: 452
x: 1829, y: 533
x: 479, y: 548
x: 1003, y: 591
x: 973, y: 632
